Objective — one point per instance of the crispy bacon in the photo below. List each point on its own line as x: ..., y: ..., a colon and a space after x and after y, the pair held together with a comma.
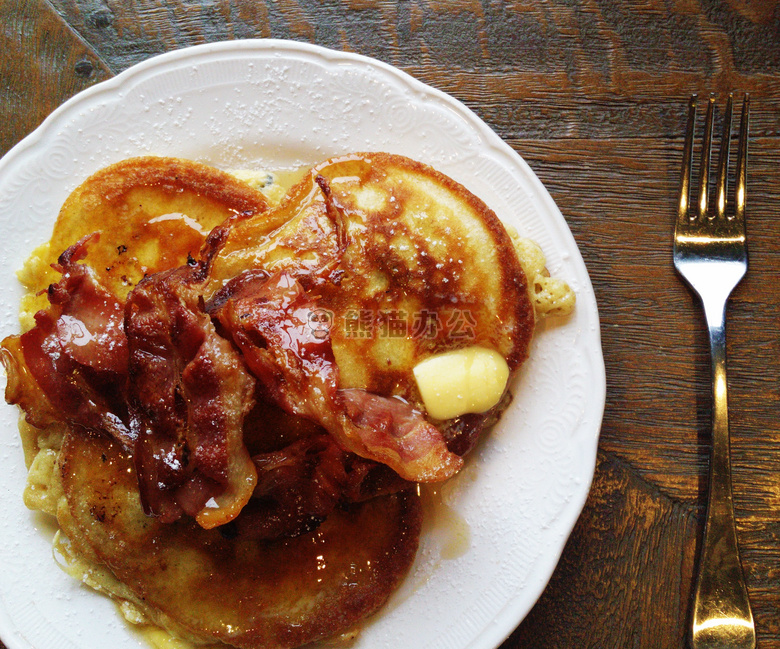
x: 398, y: 435
x: 299, y: 485
x: 76, y: 353
x: 22, y: 389
x: 156, y: 374
x: 337, y: 215
x: 189, y: 392
x: 269, y: 320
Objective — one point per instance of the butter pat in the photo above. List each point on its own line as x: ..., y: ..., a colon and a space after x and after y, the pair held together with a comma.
x: 461, y: 381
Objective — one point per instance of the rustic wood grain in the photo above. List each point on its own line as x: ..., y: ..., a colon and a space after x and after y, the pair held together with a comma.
x: 653, y: 334
x: 592, y: 94
x: 531, y: 70
x: 655, y: 347
x: 610, y: 569
x: 43, y: 63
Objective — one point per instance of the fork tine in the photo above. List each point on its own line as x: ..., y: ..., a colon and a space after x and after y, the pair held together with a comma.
x: 723, y: 160
x: 704, y: 171
x: 741, y: 189
x: 685, y: 176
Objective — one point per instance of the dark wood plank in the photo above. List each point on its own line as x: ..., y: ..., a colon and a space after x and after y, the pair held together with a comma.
x: 618, y: 197
x: 595, y: 69
x: 626, y: 575
x: 610, y: 569
x: 43, y: 63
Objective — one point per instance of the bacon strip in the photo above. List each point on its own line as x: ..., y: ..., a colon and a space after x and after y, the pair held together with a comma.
x: 299, y: 485
x: 398, y: 435
x: 22, y: 389
x: 76, y: 353
x: 268, y: 319
x: 189, y: 392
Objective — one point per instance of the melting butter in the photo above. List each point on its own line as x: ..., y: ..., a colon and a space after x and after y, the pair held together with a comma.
x: 468, y: 380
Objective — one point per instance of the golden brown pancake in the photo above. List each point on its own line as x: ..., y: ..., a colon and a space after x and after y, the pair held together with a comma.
x: 275, y: 595
x: 404, y: 263
x: 151, y: 213
x: 427, y: 268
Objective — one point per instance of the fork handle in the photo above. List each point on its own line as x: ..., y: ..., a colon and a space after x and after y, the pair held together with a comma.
x: 721, y: 613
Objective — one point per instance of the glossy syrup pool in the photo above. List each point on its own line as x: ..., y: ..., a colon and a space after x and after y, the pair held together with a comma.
x: 445, y: 536
x: 444, y: 528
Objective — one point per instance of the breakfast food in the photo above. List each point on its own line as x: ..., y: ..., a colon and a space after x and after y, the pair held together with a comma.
x: 229, y: 400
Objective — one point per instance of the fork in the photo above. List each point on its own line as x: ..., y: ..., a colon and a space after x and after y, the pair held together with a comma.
x: 710, y: 253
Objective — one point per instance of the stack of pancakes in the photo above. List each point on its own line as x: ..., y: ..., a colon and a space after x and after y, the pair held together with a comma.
x: 424, y: 267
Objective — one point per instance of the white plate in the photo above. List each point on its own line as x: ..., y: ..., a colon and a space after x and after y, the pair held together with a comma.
x: 503, y: 523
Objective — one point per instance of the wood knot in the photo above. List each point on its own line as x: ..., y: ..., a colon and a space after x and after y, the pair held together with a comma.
x: 84, y: 68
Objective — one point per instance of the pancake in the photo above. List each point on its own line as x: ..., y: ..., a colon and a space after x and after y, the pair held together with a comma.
x: 274, y: 595
x: 427, y: 268
x: 151, y: 213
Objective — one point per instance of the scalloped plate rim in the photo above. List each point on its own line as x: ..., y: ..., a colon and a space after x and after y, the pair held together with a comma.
x: 513, y: 612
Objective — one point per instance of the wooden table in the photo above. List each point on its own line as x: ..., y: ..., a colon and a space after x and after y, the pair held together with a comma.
x: 592, y: 93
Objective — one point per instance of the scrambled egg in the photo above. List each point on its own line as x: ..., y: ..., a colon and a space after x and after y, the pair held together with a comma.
x: 550, y: 296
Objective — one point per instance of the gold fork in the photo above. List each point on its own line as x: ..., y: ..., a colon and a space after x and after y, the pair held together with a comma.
x: 710, y: 253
